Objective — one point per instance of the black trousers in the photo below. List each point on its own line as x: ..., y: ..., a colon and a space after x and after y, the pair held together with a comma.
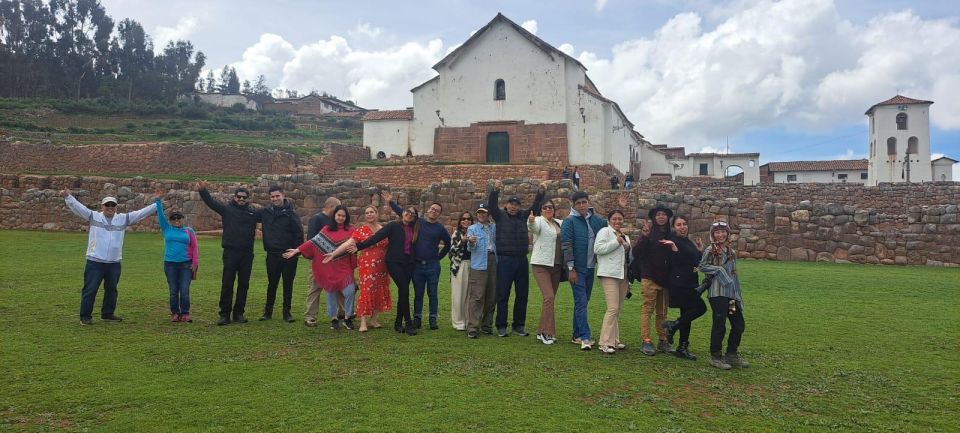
x: 278, y: 267
x: 720, y: 306
x: 688, y: 313
x: 236, y: 267
x: 402, y: 275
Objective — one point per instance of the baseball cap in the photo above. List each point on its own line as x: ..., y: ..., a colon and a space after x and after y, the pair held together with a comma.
x: 514, y: 199
x: 108, y: 200
x: 482, y: 208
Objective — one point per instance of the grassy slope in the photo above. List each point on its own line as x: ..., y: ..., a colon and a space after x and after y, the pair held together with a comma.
x: 834, y: 348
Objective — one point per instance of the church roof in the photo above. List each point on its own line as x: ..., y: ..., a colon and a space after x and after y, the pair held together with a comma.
x: 389, y: 115
x: 946, y: 158
x: 540, y: 43
x: 838, y: 164
x: 897, y: 100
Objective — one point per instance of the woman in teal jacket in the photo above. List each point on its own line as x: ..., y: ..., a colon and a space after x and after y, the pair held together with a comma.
x: 180, y: 259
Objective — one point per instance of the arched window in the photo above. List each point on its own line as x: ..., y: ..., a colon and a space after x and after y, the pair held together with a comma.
x: 912, y: 145
x: 902, y: 121
x: 499, y: 90
x: 891, y: 146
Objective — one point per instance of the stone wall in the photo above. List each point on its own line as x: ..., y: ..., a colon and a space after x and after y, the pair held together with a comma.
x: 845, y: 229
x: 529, y: 144
x: 423, y: 176
x: 337, y: 156
x: 153, y: 158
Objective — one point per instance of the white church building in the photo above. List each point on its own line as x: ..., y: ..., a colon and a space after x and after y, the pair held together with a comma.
x: 900, y: 143
x: 506, y: 96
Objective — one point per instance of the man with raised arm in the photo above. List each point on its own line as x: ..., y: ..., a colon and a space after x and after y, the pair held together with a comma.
x: 104, y: 251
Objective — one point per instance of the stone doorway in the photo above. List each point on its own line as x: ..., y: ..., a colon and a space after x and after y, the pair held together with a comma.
x: 498, y: 148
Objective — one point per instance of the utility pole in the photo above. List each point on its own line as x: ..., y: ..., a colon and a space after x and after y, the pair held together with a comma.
x: 906, y: 163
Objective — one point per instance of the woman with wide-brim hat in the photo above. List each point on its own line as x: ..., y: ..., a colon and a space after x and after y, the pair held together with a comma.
x: 653, y: 259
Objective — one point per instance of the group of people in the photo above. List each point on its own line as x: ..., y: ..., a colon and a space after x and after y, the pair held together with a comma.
x: 490, y: 259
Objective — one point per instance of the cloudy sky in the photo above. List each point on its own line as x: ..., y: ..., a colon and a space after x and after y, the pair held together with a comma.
x: 790, y: 79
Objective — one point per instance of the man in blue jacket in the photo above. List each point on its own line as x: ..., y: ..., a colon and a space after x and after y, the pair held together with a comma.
x: 577, y: 235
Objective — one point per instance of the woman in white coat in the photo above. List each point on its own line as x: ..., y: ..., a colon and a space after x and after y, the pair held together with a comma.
x: 547, y: 261
x: 612, y: 248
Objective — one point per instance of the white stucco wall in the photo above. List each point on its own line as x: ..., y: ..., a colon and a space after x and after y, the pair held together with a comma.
x: 389, y: 136
x: 653, y: 162
x: 227, y: 100
x: 884, y: 126
x: 426, y: 101
x: 942, y: 171
x: 825, y: 176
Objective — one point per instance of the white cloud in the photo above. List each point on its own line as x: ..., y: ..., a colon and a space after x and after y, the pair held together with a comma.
x: 265, y: 57
x: 934, y: 156
x: 566, y: 49
x: 182, y: 30
x: 599, y: 5
x: 849, y: 155
x: 530, y: 26
x: 366, y: 30
x: 791, y: 63
x: 711, y: 149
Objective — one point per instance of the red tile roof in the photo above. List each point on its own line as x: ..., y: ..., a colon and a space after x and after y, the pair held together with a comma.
x: 839, y: 164
x: 897, y: 100
x: 389, y: 115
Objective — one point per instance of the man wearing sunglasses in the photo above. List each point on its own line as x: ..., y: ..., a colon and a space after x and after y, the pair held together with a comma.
x: 104, y: 250
x: 239, y: 229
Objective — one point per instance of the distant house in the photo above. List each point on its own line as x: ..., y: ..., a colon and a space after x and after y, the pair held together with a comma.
x: 507, y: 96
x: 743, y: 167
x: 943, y: 169
x: 315, y: 105
x: 833, y: 171
x: 249, y: 101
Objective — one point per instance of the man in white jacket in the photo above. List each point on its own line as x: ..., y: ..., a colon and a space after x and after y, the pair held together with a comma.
x: 104, y: 251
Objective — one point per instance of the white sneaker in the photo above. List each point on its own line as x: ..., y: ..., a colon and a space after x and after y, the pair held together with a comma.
x: 586, y: 345
x: 549, y: 339
x: 608, y: 350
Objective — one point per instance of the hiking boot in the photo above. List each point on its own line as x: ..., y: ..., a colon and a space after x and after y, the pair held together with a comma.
x: 486, y: 330
x: 348, y: 323
x: 224, y: 320
x: 716, y: 360
x: 671, y: 327
x: 647, y: 348
x: 735, y: 360
x: 111, y: 318
x: 520, y: 332
x: 238, y: 318
x: 417, y: 323
x: 665, y: 347
x: 473, y: 334
x: 502, y: 332
x: 287, y: 317
x: 433, y: 323
x: 335, y: 324
x: 683, y: 351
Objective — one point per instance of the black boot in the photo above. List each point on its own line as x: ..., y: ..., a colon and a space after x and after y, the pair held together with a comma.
x: 267, y: 314
x: 398, y: 325
x: 683, y: 351
x: 287, y: 317
x: 671, y: 327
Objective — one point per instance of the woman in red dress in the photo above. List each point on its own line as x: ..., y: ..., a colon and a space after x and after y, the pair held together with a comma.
x: 374, y: 279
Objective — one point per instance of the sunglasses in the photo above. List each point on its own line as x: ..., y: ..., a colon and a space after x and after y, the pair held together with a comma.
x: 466, y: 219
x: 240, y: 197
x: 719, y: 224
x: 176, y: 217
x: 547, y: 207
x: 110, y: 204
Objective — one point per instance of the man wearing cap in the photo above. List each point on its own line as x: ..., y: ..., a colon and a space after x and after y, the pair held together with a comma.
x: 104, y: 251
x: 482, y: 286
x: 653, y: 257
x: 426, y: 273
x: 239, y: 229
x: 512, y: 247
x: 282, y: 230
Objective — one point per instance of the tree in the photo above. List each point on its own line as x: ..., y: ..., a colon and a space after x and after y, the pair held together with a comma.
x: 211, y: 82
x: 233, y: 82
x: 260, y: 87
x: 245, y: 89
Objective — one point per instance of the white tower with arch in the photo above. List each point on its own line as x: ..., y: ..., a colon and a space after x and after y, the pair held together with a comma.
x: 899, y: 141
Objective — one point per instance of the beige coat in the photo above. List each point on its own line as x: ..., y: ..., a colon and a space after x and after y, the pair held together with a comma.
x: 545, y: 240
x: 611, y: 256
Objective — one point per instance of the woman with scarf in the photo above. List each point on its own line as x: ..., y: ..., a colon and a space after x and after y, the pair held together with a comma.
x: 682, y: 284
x: 374, y: 281
x: 459, y: 274
x: 335, y: 275
x: 720, y: 263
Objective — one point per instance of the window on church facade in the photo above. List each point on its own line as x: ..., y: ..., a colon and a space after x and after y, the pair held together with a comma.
x: 892, y: 146
x: 912, y: 145
x: 902, y: 121
x: 499, y: 90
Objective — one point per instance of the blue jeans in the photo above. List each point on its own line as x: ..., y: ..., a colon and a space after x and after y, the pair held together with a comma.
x: 95, y: 273
x: 178, y: 279
x: 512, y: 271
x: 333, y: 306
x: 581, y: 297
x: 425, y: 275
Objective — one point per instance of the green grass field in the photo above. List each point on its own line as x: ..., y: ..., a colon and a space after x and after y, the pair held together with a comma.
x: 834, y: 348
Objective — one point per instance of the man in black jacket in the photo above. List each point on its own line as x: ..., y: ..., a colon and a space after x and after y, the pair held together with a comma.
x: 239, y: 229
x: 512, y: 248
x: 282, y: 230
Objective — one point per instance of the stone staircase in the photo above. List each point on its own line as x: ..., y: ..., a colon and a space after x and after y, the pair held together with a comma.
x: 339, y: 174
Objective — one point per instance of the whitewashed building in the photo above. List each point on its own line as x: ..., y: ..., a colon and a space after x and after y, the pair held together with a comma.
x: 900, y: 141
x: 506, y: 96
x: 250, y: 102
x: 943, y: 169
x: 831, y: 171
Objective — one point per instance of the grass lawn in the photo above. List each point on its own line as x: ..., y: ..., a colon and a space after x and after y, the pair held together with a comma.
x: 833, y: 348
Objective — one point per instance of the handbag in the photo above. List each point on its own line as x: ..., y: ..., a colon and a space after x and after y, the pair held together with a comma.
x: 193, y: 272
